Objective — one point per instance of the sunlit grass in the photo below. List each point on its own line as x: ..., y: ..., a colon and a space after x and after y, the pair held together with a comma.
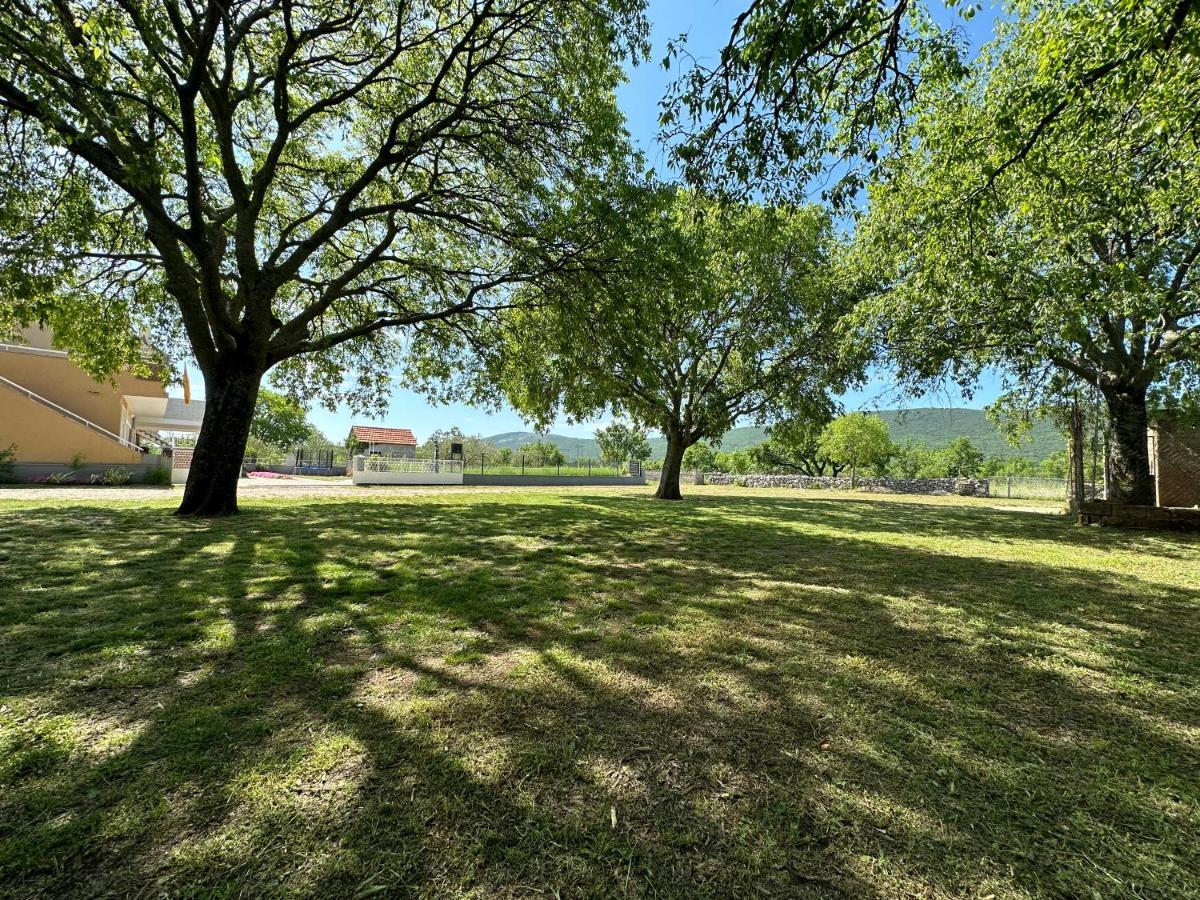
x: 586, y: 692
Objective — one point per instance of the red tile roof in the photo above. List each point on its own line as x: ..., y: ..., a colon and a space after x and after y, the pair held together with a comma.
x: 369, y: 434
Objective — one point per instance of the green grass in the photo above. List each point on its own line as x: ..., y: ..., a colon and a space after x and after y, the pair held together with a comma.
x: 588, y: 693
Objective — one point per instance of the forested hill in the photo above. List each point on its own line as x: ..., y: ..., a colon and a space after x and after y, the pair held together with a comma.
x: 935, y: 426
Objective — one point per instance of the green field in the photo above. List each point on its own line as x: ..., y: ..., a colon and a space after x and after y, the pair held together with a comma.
x: 588, y: 693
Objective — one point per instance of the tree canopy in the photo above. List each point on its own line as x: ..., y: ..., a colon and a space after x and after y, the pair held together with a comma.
x: 281, y: 185
x: 857, y: 440
x: 717, y: 314
x: 818, y: 93
x: 1073, y: 267
x: 619, y: 442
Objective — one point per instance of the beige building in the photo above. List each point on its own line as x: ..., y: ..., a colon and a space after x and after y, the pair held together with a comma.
x: 53, y: 412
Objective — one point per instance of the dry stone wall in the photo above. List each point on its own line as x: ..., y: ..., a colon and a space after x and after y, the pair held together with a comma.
x: 967, y: 487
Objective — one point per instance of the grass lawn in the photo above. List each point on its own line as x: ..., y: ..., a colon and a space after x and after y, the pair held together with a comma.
x: 589, y: 693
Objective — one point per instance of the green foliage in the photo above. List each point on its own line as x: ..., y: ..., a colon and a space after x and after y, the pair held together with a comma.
x: 857, y: 440
x: 8, y: 458
x: 724, y: 314
x: 963, y: 459
x: 618, y: 442
x: 158, y: 476
x: 1066, y: 261
x: 474, y: 446
x: 77, y: 460
x: 114, y: 476
x: 543, y: 453
x: 60, y: 478
x: 699, y: 457
x: 279, y: 421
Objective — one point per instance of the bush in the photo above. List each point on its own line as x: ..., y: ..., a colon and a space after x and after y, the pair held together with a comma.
x: 159, y: 475
x: 8, y: 472
x: 113, y: 477
x: 60, y: 478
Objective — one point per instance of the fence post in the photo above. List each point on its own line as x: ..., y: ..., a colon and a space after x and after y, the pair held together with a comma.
x: 558, y: 468
x: 589, y: 468
x: 481, y: 458
x: 522, y: 463
x: 1009, y: 480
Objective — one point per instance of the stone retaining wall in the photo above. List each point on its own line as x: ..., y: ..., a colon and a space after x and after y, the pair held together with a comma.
x: 967, y: 487
x: 1123, y: 515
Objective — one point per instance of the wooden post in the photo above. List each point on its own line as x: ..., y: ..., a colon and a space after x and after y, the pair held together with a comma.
x: 1075, y: 490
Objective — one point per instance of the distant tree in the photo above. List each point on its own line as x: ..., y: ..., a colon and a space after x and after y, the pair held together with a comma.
x: 913, y: 459
x: 699, y: 457
x: 543, y: 453
x: 279, y: 420
x: 619, y: 443
x: 962, y: 458
x: 857, y: 440
x: 735, y: 462
x: 794, y: 445
x: 474, y: 445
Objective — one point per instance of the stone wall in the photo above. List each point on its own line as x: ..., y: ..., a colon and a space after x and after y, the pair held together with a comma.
x: 1122, y: 515
x: 967, y: 487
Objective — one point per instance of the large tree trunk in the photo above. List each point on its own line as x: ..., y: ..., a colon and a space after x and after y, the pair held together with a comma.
x: 212, y: 483
x: 1129, y: 478
x: 668, y: 479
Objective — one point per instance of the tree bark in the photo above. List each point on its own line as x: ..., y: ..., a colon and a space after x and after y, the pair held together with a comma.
x: 668, y: 479
x: 211, y: 490
x: 1129, y: 478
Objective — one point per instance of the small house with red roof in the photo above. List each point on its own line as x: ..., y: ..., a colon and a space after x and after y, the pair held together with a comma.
x: 390, y: 442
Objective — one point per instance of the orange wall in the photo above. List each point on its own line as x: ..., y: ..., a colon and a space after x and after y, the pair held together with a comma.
x: 58, y: 379
x: 44, y: 436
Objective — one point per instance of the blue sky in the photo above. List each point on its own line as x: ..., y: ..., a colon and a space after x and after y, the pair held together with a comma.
x: 707, y: 23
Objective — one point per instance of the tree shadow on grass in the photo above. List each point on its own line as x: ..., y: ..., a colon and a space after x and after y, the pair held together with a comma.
x: 591, y: 695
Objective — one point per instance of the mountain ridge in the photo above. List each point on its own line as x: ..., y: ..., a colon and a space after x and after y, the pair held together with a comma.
x: 933, y: 425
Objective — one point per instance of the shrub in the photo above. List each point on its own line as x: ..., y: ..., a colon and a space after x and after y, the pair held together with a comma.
x: 60, y: 478
x: 113, y: 477
x: 8, y: 472
x: 159, y: 475
x: 78, y: 460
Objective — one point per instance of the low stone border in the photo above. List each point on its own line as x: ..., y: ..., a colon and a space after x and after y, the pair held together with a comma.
x: 966, y: 487
x: 1123, y: 515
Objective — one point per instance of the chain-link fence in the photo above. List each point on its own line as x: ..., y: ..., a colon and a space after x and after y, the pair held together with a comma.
x: 1028, y: 487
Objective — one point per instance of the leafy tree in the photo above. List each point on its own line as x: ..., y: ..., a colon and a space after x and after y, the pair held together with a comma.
x: 794, y: 445
x: 543, y: 453
x: 279, y: 420
x: 801, y: 84
x: 1074, y: 267
x: 699, y: 457
x: 913, y: 459
x: 962, y: 458
x: 283, y: 185
x: 735, y: 462
x: 619, y: 442
x: 716, y: 315
x: 857, y: 440
x: 474, y: 445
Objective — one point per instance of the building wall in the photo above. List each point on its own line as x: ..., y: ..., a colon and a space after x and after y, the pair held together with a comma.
x: 1175, y: 461
x: 407, y: 451
x: 58, y: 379
x: 42, y: 435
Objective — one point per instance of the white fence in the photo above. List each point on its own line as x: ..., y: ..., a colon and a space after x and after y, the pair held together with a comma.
x: 405, y: 470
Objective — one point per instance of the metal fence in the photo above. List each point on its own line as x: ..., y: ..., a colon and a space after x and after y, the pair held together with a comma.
x: 523, y: 464
x: 405, y: 464
x: 1027, y: 487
